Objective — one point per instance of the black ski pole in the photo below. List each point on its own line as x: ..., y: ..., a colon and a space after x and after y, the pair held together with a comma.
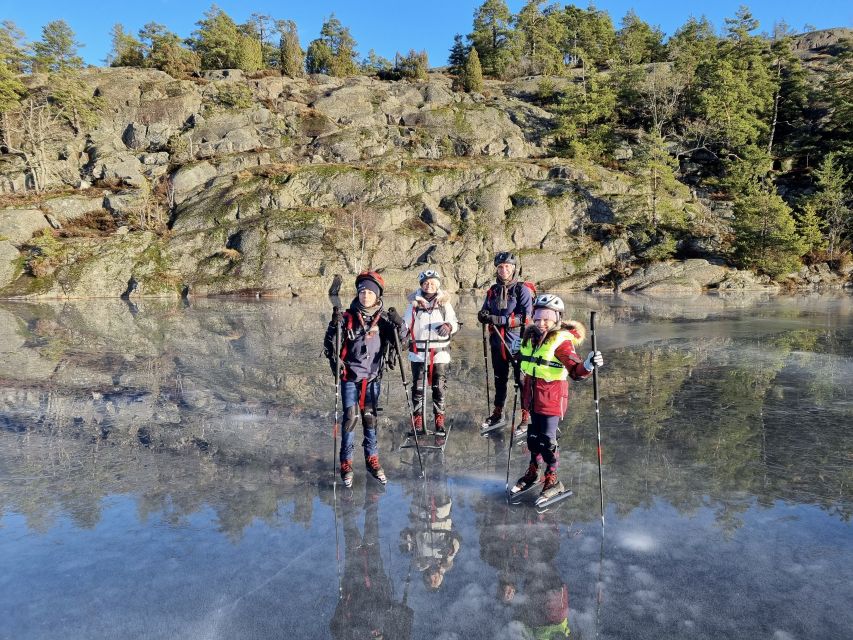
x: 486, y: 367
x: 597, y: 414
x: 402, y: 366
x: 515, y: 375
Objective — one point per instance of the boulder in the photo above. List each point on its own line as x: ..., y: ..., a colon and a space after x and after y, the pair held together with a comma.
x: 18, y: 225
x: 190, y: 177
x: 8, y: 257
x: 68, y: 208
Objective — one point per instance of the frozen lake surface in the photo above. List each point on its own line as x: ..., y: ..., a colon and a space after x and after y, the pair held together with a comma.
x: 166, y: 472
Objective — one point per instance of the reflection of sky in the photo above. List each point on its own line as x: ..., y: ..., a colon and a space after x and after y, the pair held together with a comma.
x: 783, y: 574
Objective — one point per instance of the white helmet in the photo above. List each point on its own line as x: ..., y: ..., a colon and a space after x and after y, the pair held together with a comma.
x: 549, y: 301
x: 428, y: 274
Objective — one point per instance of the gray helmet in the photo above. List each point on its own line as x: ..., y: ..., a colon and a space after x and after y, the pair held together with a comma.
x: 506, y: 257
x: 426, y: 275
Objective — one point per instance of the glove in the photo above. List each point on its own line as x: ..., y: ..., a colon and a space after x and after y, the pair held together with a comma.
x: 394, y: 317
x: 484, y: 316
x: 336, y: 315
x: 498, y: 321
x: 444, y: 330
x: 594, y: 359
x: 333, y: 362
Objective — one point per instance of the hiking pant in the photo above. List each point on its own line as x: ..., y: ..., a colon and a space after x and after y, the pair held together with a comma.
x: 359, y: 397
x: 501, y: 367
x: 438, y: 384
x: 542, y: 440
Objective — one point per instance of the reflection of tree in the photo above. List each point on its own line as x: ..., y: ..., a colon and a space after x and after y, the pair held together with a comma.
x: 367, y: 608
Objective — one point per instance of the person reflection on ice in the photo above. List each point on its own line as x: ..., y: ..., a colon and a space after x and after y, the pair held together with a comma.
x: 431, y: 537
x: 367, y: 608
x: 523, y: 545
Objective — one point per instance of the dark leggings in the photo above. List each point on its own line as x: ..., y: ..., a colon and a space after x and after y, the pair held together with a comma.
x: 439, y: 385
x: 542, y: 440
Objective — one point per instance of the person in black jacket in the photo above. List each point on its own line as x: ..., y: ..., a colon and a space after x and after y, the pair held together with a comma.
x: 507, y: 308
x: 367, y: 335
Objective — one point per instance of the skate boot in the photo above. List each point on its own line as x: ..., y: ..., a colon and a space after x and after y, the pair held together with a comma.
x: 419, y: 429
x: 521, y: 427
x: 527, y: 480
x: 440, y: 430
x: 494, y: 421
x: 374, y: 468
x: 552, y: 487
x: 346, y: 472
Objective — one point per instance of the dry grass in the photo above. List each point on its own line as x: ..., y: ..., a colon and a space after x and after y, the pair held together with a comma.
x: 94, y: 224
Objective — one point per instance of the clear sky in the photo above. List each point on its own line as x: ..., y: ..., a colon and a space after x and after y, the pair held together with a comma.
x: 384, y: 25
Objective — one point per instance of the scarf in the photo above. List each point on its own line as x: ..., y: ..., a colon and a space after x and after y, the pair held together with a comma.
x: 505, y: 286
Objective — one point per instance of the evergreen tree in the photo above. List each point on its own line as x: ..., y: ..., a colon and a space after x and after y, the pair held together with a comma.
x: 653, y: 170
x: 473, y: 76
x: 14, y: 52
x: 164, y: 51
x: 57, y: 49
x: 458, y: 56
x: 638, y: 42
x: 11, y: 89
x: 586, y: 113
x: 74, y: 101
x: 837, y: 95
x: 414, y: 66
x: 126, y: 51
x: 589, y: 35
x: 490, y: 36
x: 811, y: 228
x: 766, y: 236
x: 831, y: 201
x: 220, y: 44
x: 292, y: 58
x: 333, y: 53
x: 790, y: 95
x: 374, y: 64
x: 261, y: 27
x: 536, y: 38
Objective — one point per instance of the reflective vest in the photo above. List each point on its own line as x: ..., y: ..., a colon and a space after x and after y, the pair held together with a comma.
x: 541, y: 362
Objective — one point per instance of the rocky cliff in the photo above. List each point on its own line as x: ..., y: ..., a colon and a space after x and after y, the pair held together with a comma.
x: 270, y: 186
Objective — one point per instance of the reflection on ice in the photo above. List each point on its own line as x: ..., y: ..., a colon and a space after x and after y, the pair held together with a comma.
x: 167, y: 473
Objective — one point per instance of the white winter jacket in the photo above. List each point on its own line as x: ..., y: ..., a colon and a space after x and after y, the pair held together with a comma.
x: 423, y: 318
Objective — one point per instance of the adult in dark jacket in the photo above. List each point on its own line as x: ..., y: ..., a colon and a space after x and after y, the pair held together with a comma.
x: 507, y: 308
x: 367, y: 335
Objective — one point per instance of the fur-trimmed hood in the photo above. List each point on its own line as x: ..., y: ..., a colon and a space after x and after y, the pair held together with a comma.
x: 575, y: 328
x: 417, y: 299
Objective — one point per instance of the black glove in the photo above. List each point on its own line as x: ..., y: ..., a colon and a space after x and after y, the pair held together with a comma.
x: 484, y: 316
x: 498, y: 321
x: 336, y: 315
x: 333, y: 361
x: 390, y: 357
x: 394, y: 317
x: 444, y: 330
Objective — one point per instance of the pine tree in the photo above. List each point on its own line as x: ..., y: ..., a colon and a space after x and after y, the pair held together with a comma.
x: 837, y: 94
x: 414, y: 66
x: 653, y: 170
x: 830, y: 201
x: 126, y: 51
x: 218, y: 41
x: 14, y: 52
x: 766, y: 236
x: 490, y: 36
x: 250, y: 54
x: 638, y: 42
x: 292, y: 58
x: 164, y: 51
x: 811, y: 228
x: 589, y: 35
x: 536, y: 39
x: 57, y: 49
x: 333, y: 53
x: 586, y: 113
x: 74, y: 101
x: 473, y: 77
x: 458, y: 56
x: 11, y: 89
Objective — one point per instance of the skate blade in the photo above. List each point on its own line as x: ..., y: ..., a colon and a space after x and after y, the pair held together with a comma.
x: 488, y: 429
x: 518, y: 497
x: 549, y: 502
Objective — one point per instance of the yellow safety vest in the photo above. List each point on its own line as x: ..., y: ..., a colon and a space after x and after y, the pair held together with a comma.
x: 542, y: 362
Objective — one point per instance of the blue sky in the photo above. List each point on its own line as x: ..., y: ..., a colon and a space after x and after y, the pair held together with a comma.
x: 382, y: 25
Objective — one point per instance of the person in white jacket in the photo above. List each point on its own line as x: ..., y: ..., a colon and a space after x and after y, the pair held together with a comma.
x: 431, y: 321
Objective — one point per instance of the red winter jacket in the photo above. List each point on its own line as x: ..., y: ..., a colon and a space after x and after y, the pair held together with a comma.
x: 551, y: 398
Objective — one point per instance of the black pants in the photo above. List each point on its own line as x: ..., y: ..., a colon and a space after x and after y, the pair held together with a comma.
x: 439, y: 385
x: 542, y: 440
x: 502, y: 367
